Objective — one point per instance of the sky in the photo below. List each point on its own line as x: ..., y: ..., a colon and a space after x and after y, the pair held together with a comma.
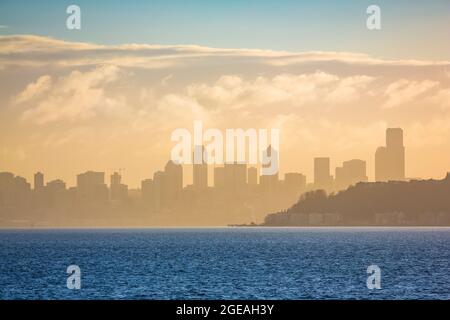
x: 410, y: 28
x: 109, y: 95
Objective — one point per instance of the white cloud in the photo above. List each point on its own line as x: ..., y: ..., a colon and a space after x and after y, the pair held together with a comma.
x: 76, y: 96
x: 233, y: 92
x: 31, y: 50
x: 34, y: 89
x: 406, y: 91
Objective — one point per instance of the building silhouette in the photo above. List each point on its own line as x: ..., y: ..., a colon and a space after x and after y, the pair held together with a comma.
x: 38, y: 181
x: 390, y: 160
x: 200, y: 169
x: 91, y: 187
x: 322, y: 178
x: 117, y: 190
x: 351, y: 172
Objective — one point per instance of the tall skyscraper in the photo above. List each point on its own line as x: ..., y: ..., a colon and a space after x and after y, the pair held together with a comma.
x: 38, y: 181
x: 390, y: 160
x: 118, y: 191
x: 322, y: 178
x: 200, y: 167
x: 174, y: 182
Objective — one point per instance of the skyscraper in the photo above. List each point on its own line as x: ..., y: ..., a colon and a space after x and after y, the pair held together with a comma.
x: 38, y: 181
x: 174, y: 182
x: 322, y: 178
x: 200, y: 167
x: 91, y: 187
x: 390, y: 160
x: 118, y: 191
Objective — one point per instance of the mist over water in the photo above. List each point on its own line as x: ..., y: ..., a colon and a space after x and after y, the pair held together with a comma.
x: 226, y: 263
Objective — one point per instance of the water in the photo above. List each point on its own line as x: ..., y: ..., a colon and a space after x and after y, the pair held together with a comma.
x: 226, y: 263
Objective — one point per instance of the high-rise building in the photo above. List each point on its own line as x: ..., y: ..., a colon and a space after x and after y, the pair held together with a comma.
x: 38, y: 181
x: 351, y: 172
x: 200, y: 167
x: 173, y: 174
x: 390, y: 160
x: 118, y: 190
x: 91, y: 186
x: 322, y: 178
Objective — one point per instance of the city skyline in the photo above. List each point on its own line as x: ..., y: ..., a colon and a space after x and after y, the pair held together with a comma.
x: 206, y: 175
x: 239, y: 193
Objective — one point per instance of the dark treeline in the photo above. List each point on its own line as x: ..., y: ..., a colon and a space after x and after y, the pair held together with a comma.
x: 417, y: 202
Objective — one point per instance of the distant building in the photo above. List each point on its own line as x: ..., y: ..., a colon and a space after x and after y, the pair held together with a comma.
x: 38, y: 181
x: 322, y: 178
x: 56, y: 185
x: 390, y: 160
x: 91, y: 187
x: 173, y: 184
x: 163, y: 191
x: 351, y: 172
x: 13, y: 190
x: 118, y: 190
x: 200, y: 169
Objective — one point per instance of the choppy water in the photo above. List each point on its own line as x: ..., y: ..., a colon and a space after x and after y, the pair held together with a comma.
x: 227, y: 263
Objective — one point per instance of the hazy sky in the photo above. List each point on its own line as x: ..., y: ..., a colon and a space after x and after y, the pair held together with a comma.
x: 410, y: 28
x: 108, y: 96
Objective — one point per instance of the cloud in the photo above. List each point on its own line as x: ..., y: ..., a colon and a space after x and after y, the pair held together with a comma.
x: 80, y: 95
x: 38, y: 51
x: 441, y: 99
x: 406, y: 91
x: 34, y: 89
x: 289, y: 90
